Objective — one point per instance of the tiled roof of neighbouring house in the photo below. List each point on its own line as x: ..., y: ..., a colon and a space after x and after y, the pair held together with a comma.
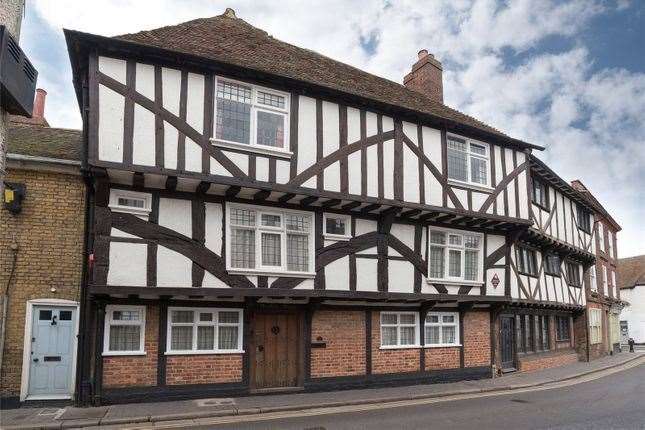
x: 231, y: 40
x: 43, y: 141
x: 631, y: 271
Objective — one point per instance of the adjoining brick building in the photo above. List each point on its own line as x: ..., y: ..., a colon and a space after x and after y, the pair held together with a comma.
x: 41, y: 253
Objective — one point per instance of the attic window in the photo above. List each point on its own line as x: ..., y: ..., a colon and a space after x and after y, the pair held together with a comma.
x: 251, y: 117
x: 139, y: 204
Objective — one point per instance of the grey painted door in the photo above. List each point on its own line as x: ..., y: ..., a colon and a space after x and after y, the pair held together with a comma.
x: 52, y: 351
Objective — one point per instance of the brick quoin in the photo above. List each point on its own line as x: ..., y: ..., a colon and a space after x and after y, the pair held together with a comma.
x: 391, y: 360
x: 344, y: 334
x: 136, y: 370
x: 476, y: 339
x: 203, y: 369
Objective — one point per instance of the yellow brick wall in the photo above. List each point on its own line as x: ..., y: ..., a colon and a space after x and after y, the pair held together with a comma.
x: 49, y: 234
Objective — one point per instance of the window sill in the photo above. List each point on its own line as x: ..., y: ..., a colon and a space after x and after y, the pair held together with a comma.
x: 451, y: 345
x: 252, y: 149
x: 476, y: 187
x: 336, y: 237
x: 123, y: 353
x: 220, y: 352
x: 387, y: 347
x: 455, y: 283
x: 249, y: 272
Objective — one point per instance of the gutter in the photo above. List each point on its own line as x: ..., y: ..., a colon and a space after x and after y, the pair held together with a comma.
x: 37, y: 159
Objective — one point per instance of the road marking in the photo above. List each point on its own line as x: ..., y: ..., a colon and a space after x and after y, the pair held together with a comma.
x: 387, y: 405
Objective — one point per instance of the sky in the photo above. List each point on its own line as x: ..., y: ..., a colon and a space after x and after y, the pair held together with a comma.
x: 566, y: 75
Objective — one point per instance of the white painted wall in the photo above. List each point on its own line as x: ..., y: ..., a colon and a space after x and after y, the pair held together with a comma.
x: 634, y: 314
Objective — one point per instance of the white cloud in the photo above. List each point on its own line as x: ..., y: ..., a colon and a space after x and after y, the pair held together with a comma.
x: 592, y: 122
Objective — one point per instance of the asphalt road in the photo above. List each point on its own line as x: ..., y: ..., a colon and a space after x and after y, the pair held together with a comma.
x: 616, y: 401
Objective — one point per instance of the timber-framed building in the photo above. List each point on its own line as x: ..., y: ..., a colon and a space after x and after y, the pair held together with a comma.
x: 263, y: 217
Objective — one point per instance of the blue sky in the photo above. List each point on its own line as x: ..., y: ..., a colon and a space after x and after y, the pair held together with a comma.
x: 567, y: 75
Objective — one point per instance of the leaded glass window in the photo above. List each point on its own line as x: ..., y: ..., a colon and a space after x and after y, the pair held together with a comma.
x: 467, y: 161
x: 455, y: 255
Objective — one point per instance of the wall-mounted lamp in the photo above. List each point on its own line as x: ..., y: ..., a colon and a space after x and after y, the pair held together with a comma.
x: 13, y: 196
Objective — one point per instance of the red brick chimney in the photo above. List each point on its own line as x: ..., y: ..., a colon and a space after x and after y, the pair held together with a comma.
x: 426, y: 77
x: 38, y: 113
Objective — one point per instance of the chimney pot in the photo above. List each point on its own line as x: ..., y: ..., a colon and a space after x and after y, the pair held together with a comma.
x: 426, y: 77
x: 39, y: 105
x: 230, y: 13
x: 423, y: 53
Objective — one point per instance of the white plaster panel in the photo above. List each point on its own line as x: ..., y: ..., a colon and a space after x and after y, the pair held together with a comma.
x: 331, y: 131
x: 145, y: 80
x: 405, y: 233
x: 111, y: 107
x: 240, y: 160
x: 332, y: 177
x: 433, y: 189
x: 371, y: 123
x: 171, y: 89
x: 143, y: 137
x: 173, y: 269
x: 218, y: 169
x: 213, y: 227
x: 337, y: 274
x: 115, y: 232
x: 410, y: 175
x: 388, y: 123
x: 282, y: 171
x: 306, y: 133
x: 307, y: 284
x: 372, y: 171
x: 211, y: 281
x: 262, y: 168
x: 193, y: 156
x: 368, y: 251
x: 310, y: 183
x: 354, y: 173
x: 400, y: 277
x: 462, y: 196
x: 365, y: 226
x: 195, y: 102
x: 128, y: 264
x: 388, y: 169
x: 479, y: 199
x: 113, y: 67
x: 524, y: 200
x: 170, y: 141
x: 353, y: 125
x: 176, y: 214
x: 366, y: 279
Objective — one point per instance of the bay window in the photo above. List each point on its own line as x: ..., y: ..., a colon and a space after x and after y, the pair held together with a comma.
x: 468, y: 161
x: 124, y: 330
x: 455, y: 256
x: 251, y: 116
x: 442, y: 329
x: 269, y: 240
x: 399, y: 329
x: 204, y: 330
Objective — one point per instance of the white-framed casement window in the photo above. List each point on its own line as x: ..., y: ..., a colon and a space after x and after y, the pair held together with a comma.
x: 468, y: 161
x: 399, y: 329
x: 455, y: 256
x: 269, y: 240
x: 251, y: 117
x: 133, y: 202
x: 337, y: 227
x: 592, y: 278
x: 613, y: 281
x: 442, y: 329
x: 204, y: 331
x: 595, y: 326
x: 601, y: 237
x: 605, y: 279
x: 124, y: 330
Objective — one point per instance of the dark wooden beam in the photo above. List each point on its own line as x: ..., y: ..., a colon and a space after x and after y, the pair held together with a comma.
x: 488, y: 224
x: 308, y: 200
x: 350, y: 206
x: 445, y: 218
x: 203, y: 187
x: 233, y: 191
x: 171, y: 183
x: 261, y: 195
x: 331, y: 203
x: 390, y: 211
x: 429, y: 216
x: 286, y: 198
x: 138, y: 180
x: 410, y: 213
x: 370, y: 208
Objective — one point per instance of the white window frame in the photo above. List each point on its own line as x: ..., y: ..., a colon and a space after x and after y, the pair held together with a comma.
x: 601, y: 237
x: 270, y: 270
x: 469, y: 155
x: 398, y: 325
x: 595, y: 326
x: 442, y: 324
x: 144, y: 212
x: 453, y: 279
x: 592, y: 278
x: 109, y: 322
x: 252, y: 146
x: 348, y: 227
x: 610, y: 244
x: 605, y: 280
x: 196, y: 323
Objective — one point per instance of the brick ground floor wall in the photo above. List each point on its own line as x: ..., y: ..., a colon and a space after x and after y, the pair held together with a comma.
x: 547, y: 360
x: 203, y: 369
x: 344, y: 336
x: 136, y: 370
x: 476, y: 341
x: 391, y: 360
x: 597, y: 350
x: 442, y: 358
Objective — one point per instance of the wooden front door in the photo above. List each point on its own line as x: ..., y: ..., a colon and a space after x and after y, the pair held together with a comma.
x: 277, y: 350
x: 506, y: 340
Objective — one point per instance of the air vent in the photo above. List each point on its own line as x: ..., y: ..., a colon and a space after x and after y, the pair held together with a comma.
x: 17, y: 77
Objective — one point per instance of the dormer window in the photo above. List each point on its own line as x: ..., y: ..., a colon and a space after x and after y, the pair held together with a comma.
x: 251, y: 117
x: 133, y: 202
x: 468, y: 161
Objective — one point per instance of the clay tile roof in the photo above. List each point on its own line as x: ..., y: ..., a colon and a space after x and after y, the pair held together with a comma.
x: 233, y: 41
x: 631, y: 271
x: 43, y: 141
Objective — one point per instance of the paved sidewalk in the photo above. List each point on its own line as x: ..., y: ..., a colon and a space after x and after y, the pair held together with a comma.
x: 71, y: 417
